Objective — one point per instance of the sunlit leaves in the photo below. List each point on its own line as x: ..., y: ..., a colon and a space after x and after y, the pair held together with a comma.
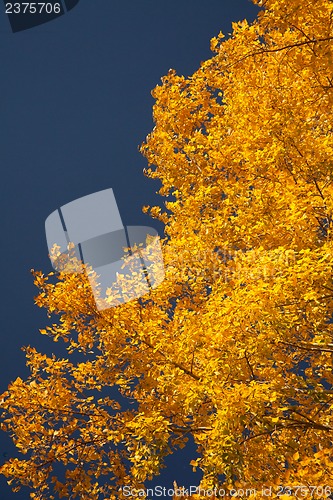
x: 234, y: 348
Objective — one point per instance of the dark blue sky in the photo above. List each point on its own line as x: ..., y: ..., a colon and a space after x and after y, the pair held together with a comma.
x: 75, y: 106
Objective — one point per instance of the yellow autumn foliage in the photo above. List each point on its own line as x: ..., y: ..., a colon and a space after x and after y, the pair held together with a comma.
x: 235, y: 347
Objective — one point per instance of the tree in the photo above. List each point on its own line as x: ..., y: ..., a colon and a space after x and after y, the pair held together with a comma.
x: 235, y: 347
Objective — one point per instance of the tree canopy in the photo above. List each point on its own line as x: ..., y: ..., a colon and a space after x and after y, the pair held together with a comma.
x: 235, y: 347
